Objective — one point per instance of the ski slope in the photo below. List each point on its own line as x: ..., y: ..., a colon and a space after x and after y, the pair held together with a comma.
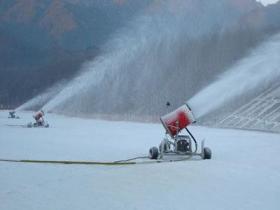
x: 243, y: 173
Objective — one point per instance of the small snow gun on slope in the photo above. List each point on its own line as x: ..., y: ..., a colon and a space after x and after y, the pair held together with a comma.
x: 174, y: 145
x: 12, y: 114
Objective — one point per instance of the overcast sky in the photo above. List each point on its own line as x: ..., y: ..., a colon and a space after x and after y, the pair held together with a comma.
x: 266, y: 2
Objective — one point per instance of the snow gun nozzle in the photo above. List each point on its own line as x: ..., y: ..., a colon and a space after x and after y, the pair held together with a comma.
x: 177, y: 120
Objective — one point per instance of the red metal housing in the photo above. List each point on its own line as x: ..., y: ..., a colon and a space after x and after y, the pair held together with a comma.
x: 177, y: 120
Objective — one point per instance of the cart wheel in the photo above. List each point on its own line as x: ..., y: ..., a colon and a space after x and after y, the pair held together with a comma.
x: 207, y: 153
x: 153, y: 153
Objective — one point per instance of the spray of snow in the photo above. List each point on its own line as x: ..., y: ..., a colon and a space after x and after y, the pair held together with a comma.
x: 267, y: 2
x: 142, y: 52
x: 254, y: 72
x: 80, y: 83
x: 141, y: 57
x: 129, y: 50
x: 41, y: 99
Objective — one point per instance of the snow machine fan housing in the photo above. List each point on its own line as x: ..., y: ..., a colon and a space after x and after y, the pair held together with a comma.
x: 177, y: 120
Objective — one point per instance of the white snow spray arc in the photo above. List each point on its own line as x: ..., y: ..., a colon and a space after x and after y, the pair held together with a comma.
x: 255, y: 71
x: 137, y: 47
x: 41, y: 99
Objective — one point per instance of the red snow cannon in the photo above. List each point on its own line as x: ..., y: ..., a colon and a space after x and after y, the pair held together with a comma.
x: 178, y: 146
x: 177, y: 120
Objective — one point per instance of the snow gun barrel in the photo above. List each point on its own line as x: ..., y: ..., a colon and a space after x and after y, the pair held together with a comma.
x: 177, y: 120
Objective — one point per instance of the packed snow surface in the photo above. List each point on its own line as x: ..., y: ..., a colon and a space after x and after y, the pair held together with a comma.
x: 243, y: 173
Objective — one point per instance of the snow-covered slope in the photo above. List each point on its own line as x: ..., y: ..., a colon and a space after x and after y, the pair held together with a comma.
x: 243, y: 173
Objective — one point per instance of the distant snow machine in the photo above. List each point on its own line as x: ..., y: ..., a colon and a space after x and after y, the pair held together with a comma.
x: 38, y: 125
x: 40, y: 122
x: 12, y: 114
x: 175, y: 146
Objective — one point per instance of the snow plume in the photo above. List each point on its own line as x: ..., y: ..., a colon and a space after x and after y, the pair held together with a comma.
x: 154, y: 59
x: 267, y: 2
x: 93, y: 73
x: 255, y: 72
x: 126, y: 73
x: 38, y: 101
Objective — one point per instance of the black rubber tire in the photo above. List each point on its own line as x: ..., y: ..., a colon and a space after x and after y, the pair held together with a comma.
x: 153, y: 153
x: 207, y: 153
